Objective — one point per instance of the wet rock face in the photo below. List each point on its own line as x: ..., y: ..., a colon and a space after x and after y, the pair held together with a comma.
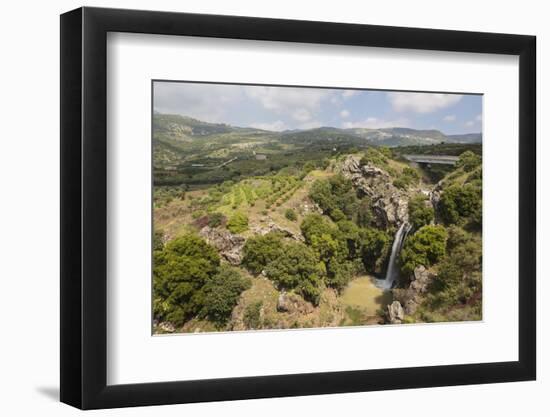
x: 411, y: 297
x: 228, y: 245
x: 390, y: 204
x: 395, y: 313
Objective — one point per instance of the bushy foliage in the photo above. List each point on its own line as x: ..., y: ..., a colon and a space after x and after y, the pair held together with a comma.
x: 252, y: 315
x: 373, y: 243
x: 297, y: 268
x: 238, y: 223
x: 216, y: 219
x: 259, y: 251
x: 335, y: 196
x: 425, y: 247
x: 421, y: 212
x: 180, y: 272
x: 468, y: 161
x: 377, y: 157
x: 408, y: 177
x: 158, y: 240
x: 222, y: 292
x: 364, y: 215
x: 290, y: 214
x: 461, y: 204
x: 459, y: 279
x: 330, y: 244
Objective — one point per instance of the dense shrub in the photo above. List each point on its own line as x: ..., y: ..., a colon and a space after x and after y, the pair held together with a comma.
x: 222, y: 292
x: 215, y: 219
x: 460, y: 204
x: 180, y: 272
x: 238, y: 223
x: 373, y: 243
x: 252, y: 315
x: 259, y: 251
x: 335, y: 196
x: 297, y: 268
x: 421, y: 212
x: 364, y: 216
x: 459, y: 278
x: 376, y: 157
x: 158, y: 240
x: 291, y: 215
x: 408, y: 177
x: 468, y: 161
x: 425, y: 247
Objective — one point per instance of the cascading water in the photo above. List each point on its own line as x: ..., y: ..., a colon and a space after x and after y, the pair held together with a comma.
x: 392, y: 272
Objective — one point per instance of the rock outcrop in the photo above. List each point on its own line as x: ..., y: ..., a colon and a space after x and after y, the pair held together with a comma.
x: 270, y: 226
x: 395, y: 313
x: 228, y: 245
x: 293, y: 303
x: 390, y: 204
x: 411, y: 297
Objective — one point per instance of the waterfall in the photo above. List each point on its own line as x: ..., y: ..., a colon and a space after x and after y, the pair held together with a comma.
x: 392, y: 272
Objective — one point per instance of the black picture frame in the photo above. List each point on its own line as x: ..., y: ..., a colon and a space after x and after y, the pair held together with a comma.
x: 84, y: 207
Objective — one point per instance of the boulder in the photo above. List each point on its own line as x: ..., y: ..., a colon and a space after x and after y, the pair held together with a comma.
x: 293, y: 303
x: 228, y: 245
x: 268, y: 225
x: 395, y: 313
x: 167, y: 327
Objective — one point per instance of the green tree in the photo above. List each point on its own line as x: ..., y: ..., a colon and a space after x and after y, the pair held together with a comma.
x: 373, y: 243
x: 425, y: 247
x: 259, y: 251
x: 179, y: 274
x: 460, y: 204
x: 291, y: 215
x: 420, y: 213
x: 364, y: 215
x: 468, y: 161
x: 459, y: 277
x: 238, y: 223
x: 335, y: 196
x: 222, y: 292
x: 297, y: 268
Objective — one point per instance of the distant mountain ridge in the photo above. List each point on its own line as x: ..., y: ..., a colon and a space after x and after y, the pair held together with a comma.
x: 184, y: 128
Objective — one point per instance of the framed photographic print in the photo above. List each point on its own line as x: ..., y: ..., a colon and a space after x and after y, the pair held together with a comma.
x: 257, y: 208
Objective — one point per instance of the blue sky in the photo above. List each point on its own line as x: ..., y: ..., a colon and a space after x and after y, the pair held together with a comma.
x: 281, y: 108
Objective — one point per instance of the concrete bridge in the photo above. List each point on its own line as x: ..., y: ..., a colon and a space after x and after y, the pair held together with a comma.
x: 432, y: 159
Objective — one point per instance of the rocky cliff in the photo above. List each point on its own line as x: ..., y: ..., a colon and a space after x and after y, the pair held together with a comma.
x: 389, y: 204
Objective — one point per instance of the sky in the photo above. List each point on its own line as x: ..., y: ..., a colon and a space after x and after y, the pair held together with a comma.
x: 283, y: 108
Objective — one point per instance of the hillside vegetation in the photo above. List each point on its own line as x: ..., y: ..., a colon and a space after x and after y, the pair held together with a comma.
x: 301, y: 236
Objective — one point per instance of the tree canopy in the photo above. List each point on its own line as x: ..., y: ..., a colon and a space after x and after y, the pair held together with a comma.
x: 425, y: 247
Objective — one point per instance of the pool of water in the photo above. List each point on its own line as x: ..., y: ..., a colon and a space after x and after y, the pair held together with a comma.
x: 362, y: 293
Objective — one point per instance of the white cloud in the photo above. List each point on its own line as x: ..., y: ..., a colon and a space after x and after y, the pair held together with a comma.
x: 422, y: 102
x: 376, y: 123
x: 208, y: 102
x: 449, y: 118
x: 276, y: 126
x: 301, y: 115
x: 475, y: 121
x: 287, y: 99
x: 344, y: 114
